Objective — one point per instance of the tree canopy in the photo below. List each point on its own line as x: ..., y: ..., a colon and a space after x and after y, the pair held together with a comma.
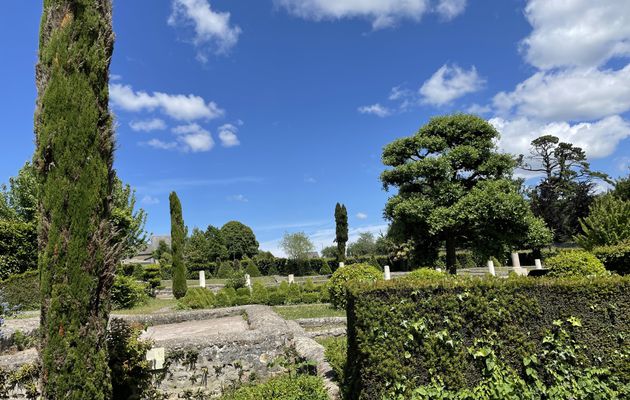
x: 178, y: 237
x: 455, y: 188
x: 297, y: 245
x: 341, y: 230
x: 239, y: 240
x: 607, y: 224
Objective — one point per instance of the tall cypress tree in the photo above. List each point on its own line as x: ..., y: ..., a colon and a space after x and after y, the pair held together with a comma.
x: 341, y: 222
x: 178, y: 236
x: 74, y: 157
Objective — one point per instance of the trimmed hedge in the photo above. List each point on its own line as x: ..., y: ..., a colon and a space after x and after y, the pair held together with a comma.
x: 408, y: 335
x: 574, y: 263
x: 18, y: 248
x: 22, y: 291
x: 287, y: 387
x: 615, y: 258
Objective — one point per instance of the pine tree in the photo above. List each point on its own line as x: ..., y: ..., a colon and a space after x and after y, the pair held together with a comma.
x: 341, y: 222
x: 73, y: 159
x: 178, y: 236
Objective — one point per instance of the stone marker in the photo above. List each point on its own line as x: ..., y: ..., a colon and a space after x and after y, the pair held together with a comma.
x: 438, y: 269
x: 341, y: 265
x: 202, y: 279
x: 516, y: 262
x: 291, y: 278
x: 155, y: 357
x: 538, y: 263
x: 248, y: 281
x: 388, y: 275
x: 491, y: 268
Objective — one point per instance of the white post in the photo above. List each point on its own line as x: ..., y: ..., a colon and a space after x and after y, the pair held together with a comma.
x: 388, y: 275
x: 438, y: 269
x: 248, y: 281
x: 538, y: 263
x: 202, y: 278
x: 491, y: 268
x: 291, y: 278
x: 516, y: 262
x: 341, y: 265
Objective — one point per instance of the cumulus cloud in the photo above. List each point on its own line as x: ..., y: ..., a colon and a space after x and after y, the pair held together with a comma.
x: 375, y: 109
x: 159, y: 144
x: 213, y: 30
x: 450, y: 9
x: 178, y: 106
x: 150, y: 200
x: 227, y: 135
x: 569, y: 94
x: 361, y: 215
x: 194, y: 138
x: 148, y: 125
x: 599, y: 139
x: 449, y: 83
x: 582, y: 33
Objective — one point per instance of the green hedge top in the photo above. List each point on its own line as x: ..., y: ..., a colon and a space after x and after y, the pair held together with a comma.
x: 404, y: 335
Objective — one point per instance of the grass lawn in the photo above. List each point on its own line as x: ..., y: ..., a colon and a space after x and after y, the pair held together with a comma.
x: 152, y: 306
x: 308, y: 311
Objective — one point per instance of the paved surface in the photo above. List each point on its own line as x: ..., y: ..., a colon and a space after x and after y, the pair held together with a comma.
x: 196, y: 329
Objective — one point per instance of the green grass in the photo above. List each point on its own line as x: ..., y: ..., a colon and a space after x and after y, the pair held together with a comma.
x: 308, y: 311
x: 152, y: 306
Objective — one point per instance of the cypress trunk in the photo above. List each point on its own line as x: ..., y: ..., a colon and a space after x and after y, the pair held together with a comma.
x: 451, y: 256
x: 74, y: 157
x: 177, y: 245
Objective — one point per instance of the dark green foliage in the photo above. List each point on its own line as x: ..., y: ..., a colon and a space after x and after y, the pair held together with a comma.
x: 251, y: 268
x: 197, y: 298
x: 565, y: 193
x: 225, y: 270
x: 341, y: 231
x: 130, y: 371
x: 574, y: 263
x: 178, y: 237
x: 364, y: 246
x: 286, y: 387
x: 128, y: 222
x: 608, y: 223
x: 264, y: 261
x: 615, y: 258
x: 329, y: 252
x: 236, y: 280
x: 152, y: 276
x: 127, y: 292
x: 239, y: 240
x: 622, y: 189
x: 335, y: 351
x: 406, y: 335
x: 22, y: 291
x: 203, y: 249
x: 18, y: 201
x: 338, y: 282
x: 454, y: 188
x: 79, y: 247
x: 325, y: 269
x: 18, y: 247
x: 260, y: 294
x: 425, y: 274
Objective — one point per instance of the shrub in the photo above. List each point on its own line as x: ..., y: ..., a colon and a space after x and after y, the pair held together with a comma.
x: 236, y: 280
x: 22, y: 291
x: 18, y: 248
x: 325, y: 269
x: 335, y: 351
x: 251, y: 269
x: 127, y: 293
x: 226, y: 297
x: 273, y: 270
x: 339, y: 280
x: 225, y: 270
x: 151, y: 275
x: 260, y: 294
x: 277, y: 297
x: 426, y: 274
x: 197, y: 298
x: 309, y: 298
x: 286, y: 387
x: 294, y: 294
x: 452, y: 333
x: 574, y: 263
x: 615, y: 258
x: 608, y: 223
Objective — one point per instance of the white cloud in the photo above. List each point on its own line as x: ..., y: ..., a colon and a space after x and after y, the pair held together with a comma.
x: 310, y: 179
x: 478, y: 109
x: 361, y: 215
x: 375, y: 109
x: 227, y: 135
x: 148, y: 125
x: 450, y: 9
x: 150, y: 200
x: 115, y: 77
x: 569, y: 95
x: 449, y: 83
x: 576, y: 32
x: 599, y: 139
x: 212, y: 29
x: 194, y: 138
x: 178, y: 106
x: 238, y: 198
x: 159, y: 144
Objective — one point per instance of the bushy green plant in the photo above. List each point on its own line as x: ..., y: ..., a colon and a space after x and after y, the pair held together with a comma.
x: 251, y: 268
x: 615, y: 258
x: 236, y: 280
x: 339, y: 280
x: 197, y: 298
x: 575, y: 263
x: 294, y: 294
x: 608, y: 223
x: 310, y: 297
x: 178, y: 239
x: 325, y: 269
x: 260, y: 294
x: 426, y: 274
x: 151, y: 275
x: 335, y: 351
x: 22, y: 291
x: 286, y: 387
x: 226, y: 297
x: 18, y: 248
x: 225, y: 270
x: 127, y: 292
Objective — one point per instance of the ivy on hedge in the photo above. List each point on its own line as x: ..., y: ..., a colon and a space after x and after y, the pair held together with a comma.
x: 406, y: 335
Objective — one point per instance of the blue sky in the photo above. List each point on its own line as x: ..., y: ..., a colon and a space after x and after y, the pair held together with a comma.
x: 271, y: 111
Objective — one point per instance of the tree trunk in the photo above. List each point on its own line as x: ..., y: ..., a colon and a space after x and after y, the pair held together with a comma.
x: 74, y: 157
x: 451, y: 256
